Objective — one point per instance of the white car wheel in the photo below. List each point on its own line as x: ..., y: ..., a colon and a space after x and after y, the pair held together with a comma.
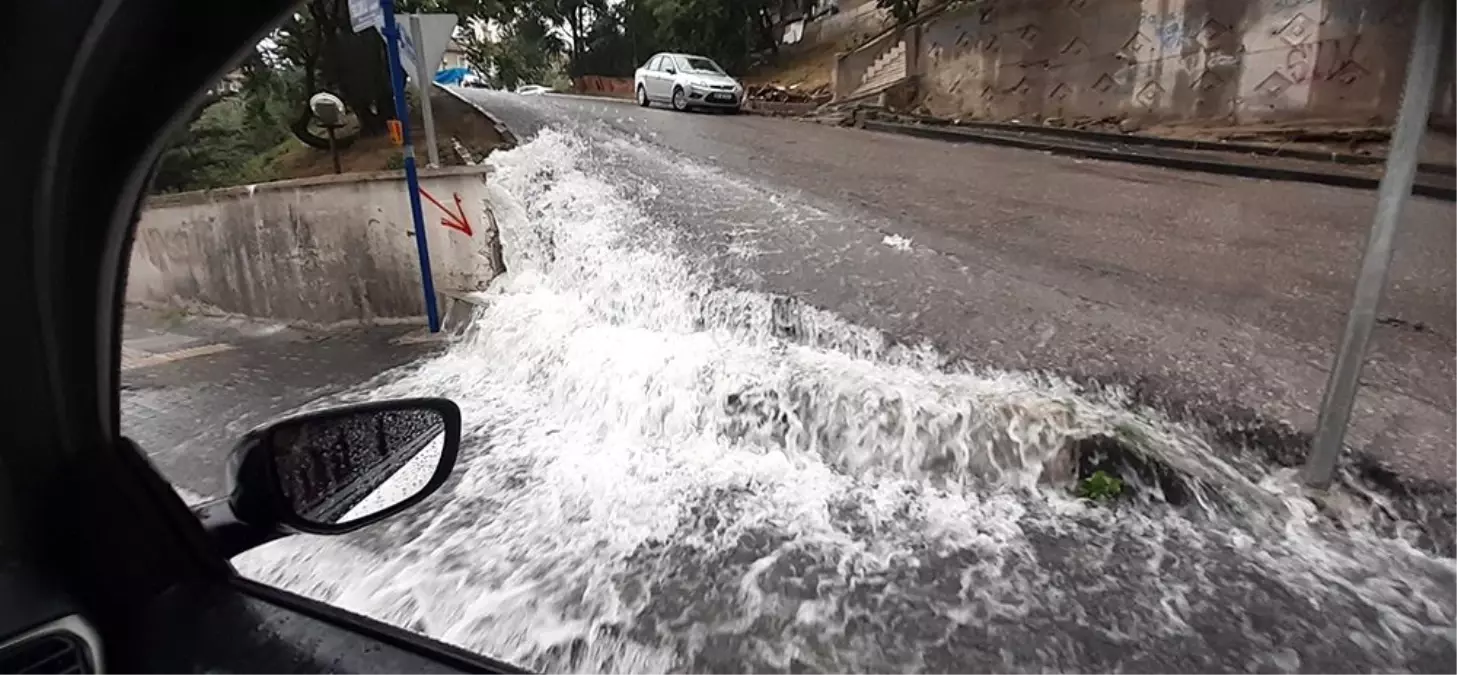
x: 680, y: 99
x: 642, y: 96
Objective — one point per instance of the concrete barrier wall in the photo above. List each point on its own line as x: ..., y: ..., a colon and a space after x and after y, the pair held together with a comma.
x: 316, y: 250
x: 602, y: 85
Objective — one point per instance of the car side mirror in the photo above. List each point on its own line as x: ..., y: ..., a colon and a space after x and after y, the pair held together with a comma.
x: 671, y: 71
x: 334, y: 471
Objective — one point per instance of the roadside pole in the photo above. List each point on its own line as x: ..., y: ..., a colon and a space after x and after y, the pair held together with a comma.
x: 422, y: 85
x: 1396, y: 182
x: 412, y: 179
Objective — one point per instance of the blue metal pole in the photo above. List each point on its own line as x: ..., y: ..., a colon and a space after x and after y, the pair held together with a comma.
x: 412, y: 179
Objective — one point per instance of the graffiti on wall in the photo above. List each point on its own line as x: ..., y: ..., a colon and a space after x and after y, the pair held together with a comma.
x: 1349, y: 12
x: 1167, y: 32
x: 1328, y: 60
x: 454, y: 220
x: 1006, y: 58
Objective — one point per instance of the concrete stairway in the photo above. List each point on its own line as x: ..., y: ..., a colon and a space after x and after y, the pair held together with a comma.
x: 887, y: 69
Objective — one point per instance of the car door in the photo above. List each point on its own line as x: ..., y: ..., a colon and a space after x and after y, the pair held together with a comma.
x: 667, y: 75
x: 102, y: 566
x: 653, y: 77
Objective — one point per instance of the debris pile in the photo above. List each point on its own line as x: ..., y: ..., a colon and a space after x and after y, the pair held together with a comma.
x: 790, y: 94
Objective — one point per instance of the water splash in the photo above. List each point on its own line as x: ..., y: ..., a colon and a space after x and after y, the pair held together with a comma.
x: 660, y: 473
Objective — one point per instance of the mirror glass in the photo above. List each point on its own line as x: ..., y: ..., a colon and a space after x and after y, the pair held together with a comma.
x: 336, y: 469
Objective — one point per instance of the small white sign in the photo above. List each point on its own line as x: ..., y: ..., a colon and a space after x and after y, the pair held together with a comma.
x: 365, y: 14
x: 793, y: 31
x: 435, y: 32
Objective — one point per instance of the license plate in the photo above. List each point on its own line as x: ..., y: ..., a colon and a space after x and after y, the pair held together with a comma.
x: 721, y: 97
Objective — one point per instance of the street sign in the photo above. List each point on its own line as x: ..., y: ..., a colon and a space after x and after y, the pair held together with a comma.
x: 391, y: 33
x: 435, y: 32
x: 365, y: 14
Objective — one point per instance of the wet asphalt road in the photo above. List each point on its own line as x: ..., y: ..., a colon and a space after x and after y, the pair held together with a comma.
x: 187, y: 413
x: 1090, y: 597
x: 1219, y: 299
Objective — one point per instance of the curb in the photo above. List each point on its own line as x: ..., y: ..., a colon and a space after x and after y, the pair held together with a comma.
x: 591, y: 97
x: 500, y: 128
x: 1448, y: 193
x: 1182, y: 143
x: 750, y: 106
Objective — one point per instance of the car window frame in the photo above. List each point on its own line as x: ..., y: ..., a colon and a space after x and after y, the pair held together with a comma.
x: 717, y: 69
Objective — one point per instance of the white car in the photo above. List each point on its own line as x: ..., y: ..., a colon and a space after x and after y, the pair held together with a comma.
x: 532, y: 89
x: 686, y: 81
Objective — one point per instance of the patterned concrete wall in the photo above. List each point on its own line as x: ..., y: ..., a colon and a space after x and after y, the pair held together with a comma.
x: 854, y: 19
x: 1239, y: 61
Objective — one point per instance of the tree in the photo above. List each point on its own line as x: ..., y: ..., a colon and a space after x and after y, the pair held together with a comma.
x: 319, y: 40
x: 726, y: 30
x: 524, y: 53
x: 617, y: 40
x: 903, y: 11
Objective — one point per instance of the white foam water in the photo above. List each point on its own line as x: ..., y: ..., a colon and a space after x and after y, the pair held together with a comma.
x: 660, y: 474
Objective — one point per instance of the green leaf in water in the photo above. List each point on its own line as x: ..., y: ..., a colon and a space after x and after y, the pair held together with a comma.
x: 1100, y: 487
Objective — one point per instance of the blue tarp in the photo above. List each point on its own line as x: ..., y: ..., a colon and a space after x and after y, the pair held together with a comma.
x: 452, y: 76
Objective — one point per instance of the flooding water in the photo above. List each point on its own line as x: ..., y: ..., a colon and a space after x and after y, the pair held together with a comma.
x: 660, y: 473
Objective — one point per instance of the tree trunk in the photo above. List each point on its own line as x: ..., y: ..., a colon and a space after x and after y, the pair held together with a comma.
x: 354, y: 66
x: 762, y: 23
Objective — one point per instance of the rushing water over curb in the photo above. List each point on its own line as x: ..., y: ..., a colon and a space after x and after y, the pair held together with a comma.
x: 660, y: 473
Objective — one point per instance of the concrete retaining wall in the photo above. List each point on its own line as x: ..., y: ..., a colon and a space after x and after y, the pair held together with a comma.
x: 1232, y: 61
x: 851, y: 21
x: 316, y: 250
x: 1165, y: 60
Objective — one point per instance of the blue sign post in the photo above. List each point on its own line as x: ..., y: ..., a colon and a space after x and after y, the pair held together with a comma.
x: 412, y: 179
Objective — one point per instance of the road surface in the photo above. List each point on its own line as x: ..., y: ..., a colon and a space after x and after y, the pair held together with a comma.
x: 1217, y: 298
x: 192, y: 386
x: 702, y: 432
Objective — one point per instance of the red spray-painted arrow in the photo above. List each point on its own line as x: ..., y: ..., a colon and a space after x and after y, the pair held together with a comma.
x: 454, y: 220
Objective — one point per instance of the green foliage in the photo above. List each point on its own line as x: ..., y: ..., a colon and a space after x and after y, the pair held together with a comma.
x: 231, y: 142
x: 529, y: 39
x: 902, y: 10
x: 1100, y: 487
x: 728, y: 31
x: 237, y: 135
x: 526, y: 52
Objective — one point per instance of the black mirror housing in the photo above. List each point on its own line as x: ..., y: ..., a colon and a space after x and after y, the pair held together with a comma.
x: 321, y: 472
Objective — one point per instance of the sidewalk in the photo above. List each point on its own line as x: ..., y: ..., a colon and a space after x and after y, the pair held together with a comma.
x: 1252, y: 161
x: 192, y: 385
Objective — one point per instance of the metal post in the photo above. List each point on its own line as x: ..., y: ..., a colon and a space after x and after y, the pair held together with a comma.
x: 412, y: 178
x: 422, y: 85
x: 334, y: 148
x: 1396, y: 182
